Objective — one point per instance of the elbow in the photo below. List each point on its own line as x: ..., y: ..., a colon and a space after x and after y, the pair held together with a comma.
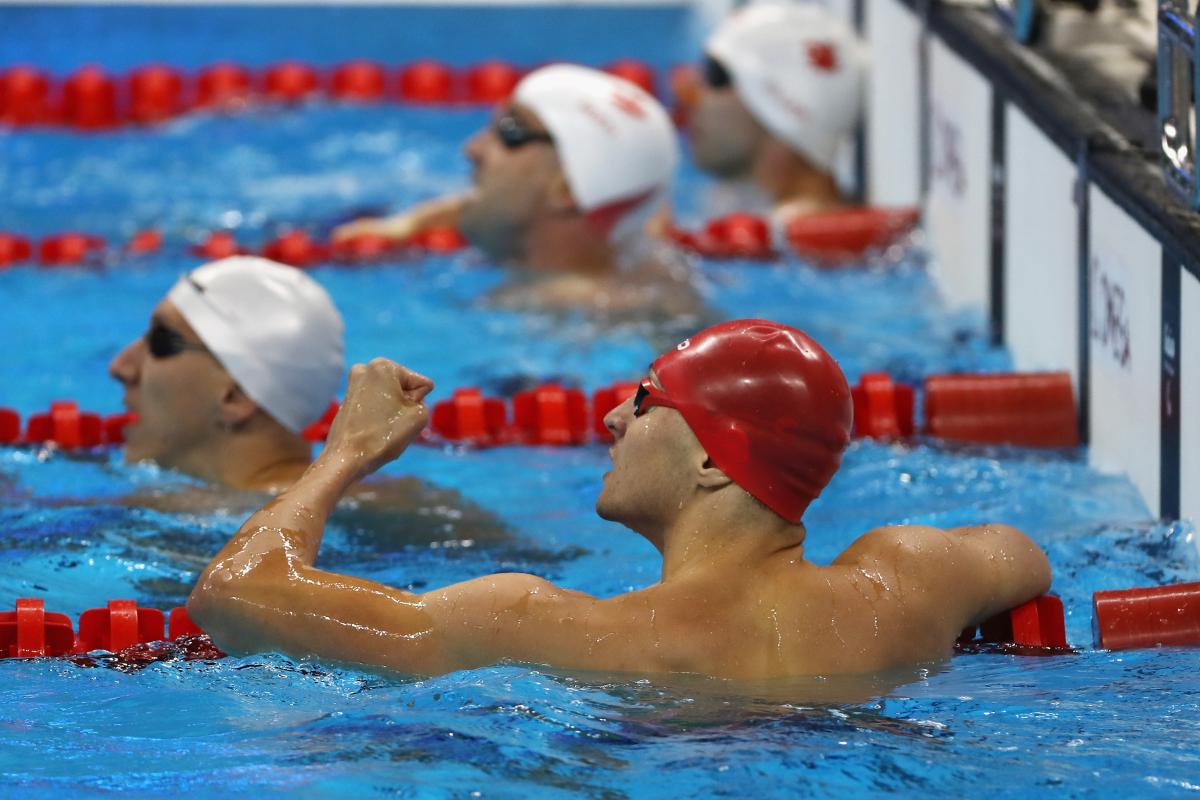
x: 224, y: 604
x: 1030, y: 565
x: 211, y: 602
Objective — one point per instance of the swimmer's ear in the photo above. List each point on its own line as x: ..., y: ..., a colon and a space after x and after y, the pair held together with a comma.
x: 560, y: 196
x: 710, y: 476
x: 236, y: 407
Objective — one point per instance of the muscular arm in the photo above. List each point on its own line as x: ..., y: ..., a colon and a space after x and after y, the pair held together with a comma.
x: 961, y: 576
x: 262, y: 592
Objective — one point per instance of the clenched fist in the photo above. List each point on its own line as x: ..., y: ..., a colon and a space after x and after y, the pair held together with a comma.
x: 383, y: 412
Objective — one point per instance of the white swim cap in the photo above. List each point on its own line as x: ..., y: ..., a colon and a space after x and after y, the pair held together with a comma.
x: 616, y: 142
x: 273, y: 328
x: 798, y: 69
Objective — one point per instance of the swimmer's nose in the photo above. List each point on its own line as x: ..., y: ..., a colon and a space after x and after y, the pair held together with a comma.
x: 617, y: 420
x: 474, y: 147
x: 126, y: 366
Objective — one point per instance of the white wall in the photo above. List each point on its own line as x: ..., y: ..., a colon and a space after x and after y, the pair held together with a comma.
x: 1041, y: 251
x: 1125, y: 361
x: 1189, y: 401
x: 958, y: 206
x: 892, y: 105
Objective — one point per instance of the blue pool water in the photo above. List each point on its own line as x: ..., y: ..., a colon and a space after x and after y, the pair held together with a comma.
x: 1091, y: 724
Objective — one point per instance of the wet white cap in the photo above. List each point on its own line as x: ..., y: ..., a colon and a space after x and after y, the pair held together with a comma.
x: 798, y: 69
x: 273, y: 328
x: 616, y: 142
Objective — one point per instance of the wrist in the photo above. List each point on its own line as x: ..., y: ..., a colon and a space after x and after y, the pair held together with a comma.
x: 336, y: 466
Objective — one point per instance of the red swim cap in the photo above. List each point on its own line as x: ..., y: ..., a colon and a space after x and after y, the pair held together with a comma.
x: 770, y: 406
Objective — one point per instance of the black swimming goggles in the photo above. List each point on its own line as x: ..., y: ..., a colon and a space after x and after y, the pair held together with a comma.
x: 164, y: 342
x: 514, y: 133
x: 648, y: 395
x: 715, y: 74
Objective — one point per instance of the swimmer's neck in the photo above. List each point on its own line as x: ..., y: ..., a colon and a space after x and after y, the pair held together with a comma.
x: 258, y: 457
x: 727, y: 537
x: 569, y: 244
x: 792, y: 181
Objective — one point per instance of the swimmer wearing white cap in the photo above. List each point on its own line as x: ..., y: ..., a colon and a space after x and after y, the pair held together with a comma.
x: 240, y: 357
x: 566, y: 177
x: 781, y: 92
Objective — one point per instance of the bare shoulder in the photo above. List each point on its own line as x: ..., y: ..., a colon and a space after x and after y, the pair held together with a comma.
x: 905, y: 541
x: 984, y: 568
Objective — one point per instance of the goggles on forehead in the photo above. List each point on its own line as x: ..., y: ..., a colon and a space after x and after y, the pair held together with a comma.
x: 715, y: 74
x: 164, y: 342
x: 648, y: 395
x: 514, y: 133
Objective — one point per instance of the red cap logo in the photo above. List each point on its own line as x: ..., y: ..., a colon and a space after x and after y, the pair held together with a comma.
x: 629, y: 105
x: 823, y: 56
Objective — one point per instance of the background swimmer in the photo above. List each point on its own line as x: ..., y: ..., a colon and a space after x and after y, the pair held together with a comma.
x: 716, y: 458
x: 239, y: 358
x: 565, y: 178
x: 781, y: 91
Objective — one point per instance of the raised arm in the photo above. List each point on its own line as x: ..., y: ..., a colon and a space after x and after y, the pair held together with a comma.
x: 262, y: 592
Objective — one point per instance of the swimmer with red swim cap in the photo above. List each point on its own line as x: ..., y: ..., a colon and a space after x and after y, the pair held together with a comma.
x: 726, y: 443
x: 565, y: 178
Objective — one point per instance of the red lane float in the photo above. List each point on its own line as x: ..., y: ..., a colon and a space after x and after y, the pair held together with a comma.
x: 29, y: 631
x: 849, y: 234
x: 65, y: 426
x: 491, y: 82
x: 439, y: 240
x: 427, y: 82
x: 638, y: 73
x: 89, y: 100
x: 362, y: 249
x: 360, y: 80
x: 550, y: 415
x: 144, y: 242
x: 471, y: 418
x: 289, y: 82
x: 830, y: 238
x: 155, y: 94
x: 1024, y: 409
x: 882, y: 409
x: 69, y: 249
x: 121, y: 624
x: 24, y: 97
x: 10, y: 426
x: 545, y: 415
x: 14, y: 249
x: 1147, y: 617
x: 217, y: 245
x: 1039, y: 625
x: 1031, y: 409
x: 295, y: 248
x: 222, y: 85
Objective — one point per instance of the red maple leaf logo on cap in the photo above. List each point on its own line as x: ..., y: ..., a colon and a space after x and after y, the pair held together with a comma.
x: 823, y: 56
x: 628, y: 104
